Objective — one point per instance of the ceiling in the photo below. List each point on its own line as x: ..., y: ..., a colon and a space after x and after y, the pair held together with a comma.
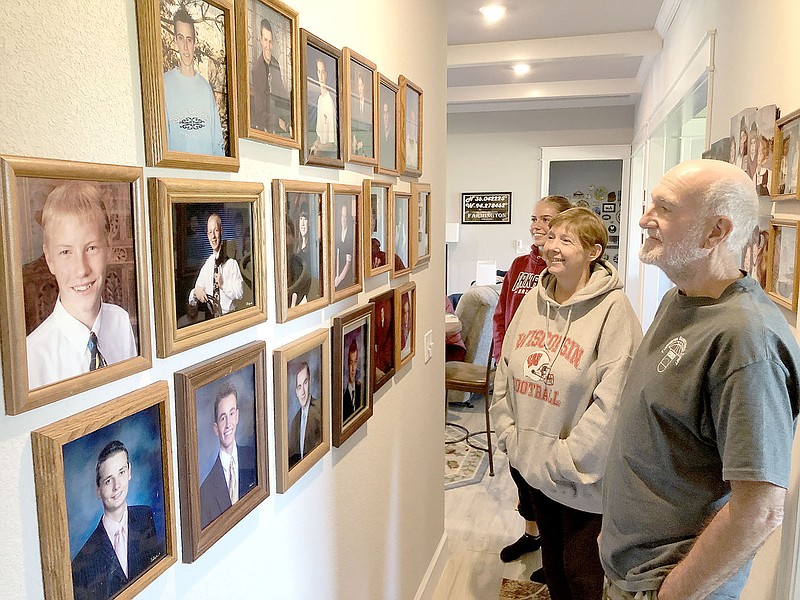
x: 581, y: 52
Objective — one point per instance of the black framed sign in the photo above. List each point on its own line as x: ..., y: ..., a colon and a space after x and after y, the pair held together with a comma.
x: 486, y: 207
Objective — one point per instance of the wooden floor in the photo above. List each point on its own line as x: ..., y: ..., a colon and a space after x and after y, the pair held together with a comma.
x: 480, y: 519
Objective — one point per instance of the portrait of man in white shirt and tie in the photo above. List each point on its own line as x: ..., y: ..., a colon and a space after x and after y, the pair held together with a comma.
x: 305, y: 432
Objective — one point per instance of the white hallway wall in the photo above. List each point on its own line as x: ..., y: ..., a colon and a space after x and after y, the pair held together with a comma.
x: 501, y: 152
x: 365, y: 521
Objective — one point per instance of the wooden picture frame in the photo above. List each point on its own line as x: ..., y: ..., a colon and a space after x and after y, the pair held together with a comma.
x: 383, y: 354
x: 269, y: 100
x: 353, y: 340
x: 182, y: 212
x: 211, y: 398
x: 405, y: 328
x: 359, y: 108
x: 301, y: 265
x: 400, y: 219
x: 321, y: 142
x: 786, y: 158
x: 302, y: 372
x: 489, y: 208
x: 421, y: 225
x: 410, y: 126
x: 378, y: 198
x: 783, y: 262
x: 388, y: 127
x: 128, y: 441
x: 345, y: 276
x: 202, y: 134
x: 34, y: 318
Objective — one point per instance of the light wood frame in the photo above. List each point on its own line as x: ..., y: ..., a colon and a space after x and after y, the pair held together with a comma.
x: 51, y: 485
x: 343, y: 325
x: 165, y: 195
x: 392, y: 90
x: 384, y: 339
x: 309, y: 155
x: 245, y: 48
x: 280, y: 215
x: 409, y: 289
x: 404, y: 85
x: 16, y: 227
x: 284, y: 475
x: 778, y: 227
x: 151, y: 28
x: 779, y: 151
x: 348, y: 58
x: 195, y: 538
x: 372, y: 264
x: 396, y: 260
x: 421, y: 200
x: 357, y: 191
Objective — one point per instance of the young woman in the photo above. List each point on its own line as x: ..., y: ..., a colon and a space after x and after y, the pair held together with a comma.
x: 521, y: 278
x: 556, y: 393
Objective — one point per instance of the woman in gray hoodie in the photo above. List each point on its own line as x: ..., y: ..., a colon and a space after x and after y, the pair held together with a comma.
x: 556, y: 394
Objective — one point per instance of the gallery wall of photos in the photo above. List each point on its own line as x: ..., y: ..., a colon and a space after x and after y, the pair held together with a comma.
x: 75, y: 234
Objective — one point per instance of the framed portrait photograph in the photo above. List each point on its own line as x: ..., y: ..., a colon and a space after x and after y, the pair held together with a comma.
x: 405, y: 328
x: 302, y: 406
x: 208, y: 260
x: 786, y: 158
x: 299, y: 219
x: 421, y: 225
x: 269, y: 71
x: 360, y: 109
x: 378, y: 197
x: 104, y: 497
x: 388, y: 126
x: 75, y: 303
x: 411, y: 127
x: 383, y: 354
x: 400, y: 218
x: 321, y: 87
x: 353, y: 371
x: 222, y: 444
x: 344, y: 261
x: 782, y: 263
x: 188, y: 67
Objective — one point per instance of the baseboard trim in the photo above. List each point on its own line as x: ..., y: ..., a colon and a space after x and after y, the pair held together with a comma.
x: 427, y: 587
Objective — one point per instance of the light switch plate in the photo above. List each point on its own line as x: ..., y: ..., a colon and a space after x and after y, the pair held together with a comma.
x: 428, y: 345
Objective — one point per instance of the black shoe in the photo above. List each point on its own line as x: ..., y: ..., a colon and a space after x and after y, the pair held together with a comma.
x: 527, y: 543
x: 538, y: 576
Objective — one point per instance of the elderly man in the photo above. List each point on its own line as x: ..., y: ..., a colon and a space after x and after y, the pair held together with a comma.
x: 219, y: 283
x: 699, y: 464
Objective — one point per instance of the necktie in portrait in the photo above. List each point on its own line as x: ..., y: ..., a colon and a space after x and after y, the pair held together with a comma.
x: 96, y: 359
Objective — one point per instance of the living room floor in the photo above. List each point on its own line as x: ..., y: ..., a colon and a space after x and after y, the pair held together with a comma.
x: 480, y: 519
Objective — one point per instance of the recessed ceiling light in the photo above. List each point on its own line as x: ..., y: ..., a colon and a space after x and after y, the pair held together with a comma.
x: 521, y: 69
x: 492, y: 12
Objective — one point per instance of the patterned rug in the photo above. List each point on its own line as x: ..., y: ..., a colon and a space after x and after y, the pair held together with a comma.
x: 463, y: 465
x: 512, y: 589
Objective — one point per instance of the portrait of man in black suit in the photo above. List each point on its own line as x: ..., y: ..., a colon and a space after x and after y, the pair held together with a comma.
x: 124, y: 544
x: 270, y: 102
x: 353, y: 394
x: 234, y: 470
x: 305, y: 433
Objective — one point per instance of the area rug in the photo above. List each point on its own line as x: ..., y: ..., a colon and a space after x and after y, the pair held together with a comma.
x: 463, y: 465
x: 513, y: 589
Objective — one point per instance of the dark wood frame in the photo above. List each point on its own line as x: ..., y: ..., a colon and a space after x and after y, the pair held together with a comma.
x: 379, y: 381
x: 486, y: 221
x: 358, y: 235
x: 156, y: 148
x: 194, y: 539
x: 777, y: 157
x: 369, y: 270
x: 342, y: 431
x: 164, y: 194
x: 18, y: 396
x: 403, y: 83
x: 417, y: 191
x: 306, y: 157
x: 391, y: 86
x: 51, y: 499
x: 281, y: 187
x: 285, y: 477
x: 399, y: 292
x: 349, y: 55
x: 785, y: 225
x: 244, y: 48
x: 409, y: 231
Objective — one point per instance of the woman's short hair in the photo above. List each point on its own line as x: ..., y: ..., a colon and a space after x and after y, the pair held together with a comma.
x: 586, y: 225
